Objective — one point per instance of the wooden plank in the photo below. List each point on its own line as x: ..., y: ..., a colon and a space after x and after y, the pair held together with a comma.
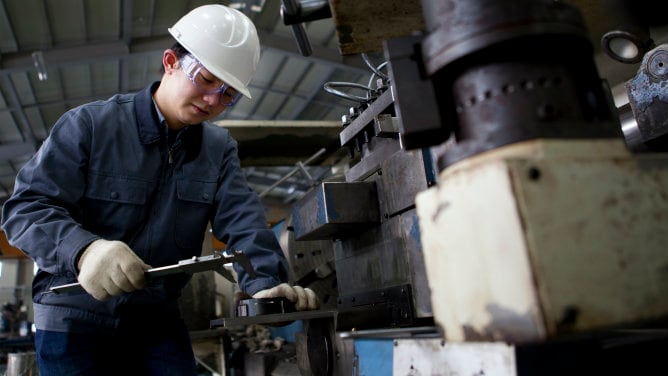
x: 361, y: 26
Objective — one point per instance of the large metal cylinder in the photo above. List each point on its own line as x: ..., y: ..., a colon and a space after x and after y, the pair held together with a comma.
x: 510, y: 71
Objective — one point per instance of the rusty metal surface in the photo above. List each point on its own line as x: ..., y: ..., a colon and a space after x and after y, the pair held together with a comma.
x: 648, y: 99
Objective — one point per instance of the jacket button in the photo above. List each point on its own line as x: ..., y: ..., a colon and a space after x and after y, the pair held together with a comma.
x: 114, y: 195
x: 205, y: 196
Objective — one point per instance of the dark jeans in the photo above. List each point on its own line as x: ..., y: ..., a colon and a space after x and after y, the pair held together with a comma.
x: 64, y: 354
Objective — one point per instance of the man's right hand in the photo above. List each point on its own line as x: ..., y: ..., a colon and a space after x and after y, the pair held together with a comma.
x: 109, y: 268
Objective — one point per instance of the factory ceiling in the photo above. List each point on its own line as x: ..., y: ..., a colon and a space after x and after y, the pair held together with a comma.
x: 57, y: 54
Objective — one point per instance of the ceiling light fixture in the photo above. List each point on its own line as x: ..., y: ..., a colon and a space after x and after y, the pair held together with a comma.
x: 40, y: 65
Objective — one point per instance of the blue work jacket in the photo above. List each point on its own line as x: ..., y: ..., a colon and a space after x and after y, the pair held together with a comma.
x: 108, y: 171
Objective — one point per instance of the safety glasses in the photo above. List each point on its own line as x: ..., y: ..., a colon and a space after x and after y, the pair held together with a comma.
x: 207, y: 83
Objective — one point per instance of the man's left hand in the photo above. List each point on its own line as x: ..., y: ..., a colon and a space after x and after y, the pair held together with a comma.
x: 304, y: 298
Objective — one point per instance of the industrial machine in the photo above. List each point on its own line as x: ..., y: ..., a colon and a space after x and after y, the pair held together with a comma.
x: 501, y: 215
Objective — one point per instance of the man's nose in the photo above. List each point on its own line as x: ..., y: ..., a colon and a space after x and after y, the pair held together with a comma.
x: 212, y: 99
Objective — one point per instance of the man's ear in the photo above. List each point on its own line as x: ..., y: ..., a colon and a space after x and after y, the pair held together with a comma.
x: 170, y: 61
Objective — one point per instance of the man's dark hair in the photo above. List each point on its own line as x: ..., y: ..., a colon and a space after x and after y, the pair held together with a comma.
x: 180, y: 52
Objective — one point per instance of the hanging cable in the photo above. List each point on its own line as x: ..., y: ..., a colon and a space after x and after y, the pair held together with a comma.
x: 330, y: 88
x: 375, y: 69
x: 371, y: 92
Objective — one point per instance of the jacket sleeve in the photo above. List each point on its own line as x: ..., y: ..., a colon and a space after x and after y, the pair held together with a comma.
x: 240, y: 223
x: 42, y: 217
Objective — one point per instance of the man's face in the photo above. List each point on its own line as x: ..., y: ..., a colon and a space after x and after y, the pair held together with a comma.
x: 193, y: 94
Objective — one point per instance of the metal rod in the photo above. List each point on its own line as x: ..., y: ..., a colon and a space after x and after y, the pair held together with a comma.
x: 292, y: 172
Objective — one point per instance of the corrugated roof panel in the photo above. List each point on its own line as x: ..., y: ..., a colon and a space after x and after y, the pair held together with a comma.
x: 270, y: 105
x: 3, y: 101
x: 9, y: 132
x: 320, y: 32
x: 104, y: 21
x: 268, y: 67
x: 292, y: 74
x: 316, y: 75
x: 32, y: 35
x: 23, y: 88
x: 68, y: 22
x: 166, y: 13
x: 244, y: 107
x: 142, y: 18
x: 6, y: 172
x: 143, y: 70
x: 318, y: 111
x: 37, y: 123
x: 49, y: 90
x: 77, y: 81
x: 290, y: 108
x: 105, y: 77
x: 7, y: 39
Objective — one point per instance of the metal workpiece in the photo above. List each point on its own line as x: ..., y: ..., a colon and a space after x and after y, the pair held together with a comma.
x: 415, y: 100
x: 311, y: 264
x: 381, y: 258
x: 648, y: 101
x: 374, y: 152
x: 385, y: 125
x: 402, y: 176
x: 264, y: 306
x: 382, y: 308
x: 334, y: 210
x: 364, y: 120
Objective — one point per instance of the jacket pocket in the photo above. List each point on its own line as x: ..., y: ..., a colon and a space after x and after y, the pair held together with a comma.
x: 195, y: 200
x: 115, y: 204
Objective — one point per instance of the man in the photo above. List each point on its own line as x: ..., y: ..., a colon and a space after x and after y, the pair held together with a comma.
x: 131, y: 183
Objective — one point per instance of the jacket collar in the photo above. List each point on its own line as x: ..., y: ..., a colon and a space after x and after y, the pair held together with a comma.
x: 148, y: 123
x: 150, y: 128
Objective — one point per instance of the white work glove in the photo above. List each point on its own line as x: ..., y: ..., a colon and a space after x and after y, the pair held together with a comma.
x: 109, y: 268
x: 304, y: 298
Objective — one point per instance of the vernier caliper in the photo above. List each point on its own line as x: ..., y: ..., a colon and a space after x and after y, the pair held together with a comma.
x: 214, y: 262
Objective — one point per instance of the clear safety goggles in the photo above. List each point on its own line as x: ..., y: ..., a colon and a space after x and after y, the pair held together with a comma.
x: 193, y: 70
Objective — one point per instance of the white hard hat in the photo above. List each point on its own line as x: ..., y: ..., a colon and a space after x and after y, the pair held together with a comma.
x: 224, y: 40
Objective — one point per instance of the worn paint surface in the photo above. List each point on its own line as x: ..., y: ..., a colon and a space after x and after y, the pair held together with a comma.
x: 547, y: 237
x: 433, y: 356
